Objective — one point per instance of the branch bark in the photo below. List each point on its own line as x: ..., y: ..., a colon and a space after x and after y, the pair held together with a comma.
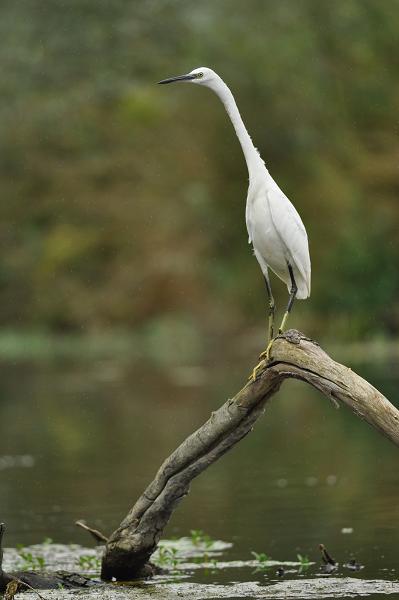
x: 129, y: 548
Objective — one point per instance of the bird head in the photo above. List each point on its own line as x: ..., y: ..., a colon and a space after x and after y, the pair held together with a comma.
x: 201, y: 76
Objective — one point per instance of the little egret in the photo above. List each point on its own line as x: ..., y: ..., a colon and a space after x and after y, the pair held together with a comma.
x: 275, y: 228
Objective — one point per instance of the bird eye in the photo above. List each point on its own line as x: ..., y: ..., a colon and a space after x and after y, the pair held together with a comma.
x: 199, y: 75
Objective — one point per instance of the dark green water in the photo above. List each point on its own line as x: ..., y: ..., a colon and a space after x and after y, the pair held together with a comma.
x: 83, y: 441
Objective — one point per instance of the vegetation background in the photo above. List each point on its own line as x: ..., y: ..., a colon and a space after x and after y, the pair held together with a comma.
x: 123, y: 202
x: 123, y: 237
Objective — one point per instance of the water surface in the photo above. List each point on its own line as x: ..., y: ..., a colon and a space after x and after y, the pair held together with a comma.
x: 81, y: 439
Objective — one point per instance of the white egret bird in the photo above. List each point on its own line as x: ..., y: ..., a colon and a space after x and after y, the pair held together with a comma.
x: 275, y: 228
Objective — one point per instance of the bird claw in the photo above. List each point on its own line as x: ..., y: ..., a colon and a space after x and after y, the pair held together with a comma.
x: 266, y: 353
x: 262, y: 357
x: 252, y: 377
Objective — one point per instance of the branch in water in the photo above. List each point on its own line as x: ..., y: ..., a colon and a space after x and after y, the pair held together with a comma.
x: 295, y: 356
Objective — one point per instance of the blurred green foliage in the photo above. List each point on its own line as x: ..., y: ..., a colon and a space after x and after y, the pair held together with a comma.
x: 123, y: 203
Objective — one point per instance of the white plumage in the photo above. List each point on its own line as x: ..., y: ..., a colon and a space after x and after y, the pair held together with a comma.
x: 275, y: 228
x: 278, y: 235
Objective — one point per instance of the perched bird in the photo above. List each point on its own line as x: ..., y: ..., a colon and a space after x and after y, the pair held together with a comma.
x: 275, y: 228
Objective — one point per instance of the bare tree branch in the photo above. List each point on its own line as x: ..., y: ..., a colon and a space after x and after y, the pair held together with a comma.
x: 95, y: 533
x: 294, y: 356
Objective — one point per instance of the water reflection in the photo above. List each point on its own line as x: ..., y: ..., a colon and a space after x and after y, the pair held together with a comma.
x: 95, y: 433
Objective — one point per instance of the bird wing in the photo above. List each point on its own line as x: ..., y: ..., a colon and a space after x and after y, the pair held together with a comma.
x: 291, y: 231
x: 247, y: 220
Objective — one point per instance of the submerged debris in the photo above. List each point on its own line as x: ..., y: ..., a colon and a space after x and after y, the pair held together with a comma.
x: 326, y: 557
x: 330, y: 564
x: 353, y: 565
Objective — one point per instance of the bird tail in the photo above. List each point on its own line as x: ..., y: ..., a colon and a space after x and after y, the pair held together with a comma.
x: 303, y: 289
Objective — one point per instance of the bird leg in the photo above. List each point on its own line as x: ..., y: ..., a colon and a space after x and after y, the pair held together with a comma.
x: 270, y: 332
x: 266, y: 354
x: 294, y: 289
x: 271, y: 308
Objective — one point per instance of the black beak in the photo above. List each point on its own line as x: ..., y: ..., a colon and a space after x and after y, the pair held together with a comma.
x: 179, y: 78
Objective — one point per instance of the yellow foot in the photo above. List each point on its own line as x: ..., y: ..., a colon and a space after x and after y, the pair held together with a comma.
x: 264, y: 356
x: 266, y: 353
x: 252, y: 377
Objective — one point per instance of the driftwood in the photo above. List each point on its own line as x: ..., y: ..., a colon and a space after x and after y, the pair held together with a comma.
x: 129, y: 548
x: 11, y: 583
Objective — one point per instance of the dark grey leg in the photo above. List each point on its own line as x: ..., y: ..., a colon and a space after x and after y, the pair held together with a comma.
x: 271, y: 307
x: 294, y: 289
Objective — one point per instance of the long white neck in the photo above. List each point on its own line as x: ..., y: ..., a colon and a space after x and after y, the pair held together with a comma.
x: 254, y: 162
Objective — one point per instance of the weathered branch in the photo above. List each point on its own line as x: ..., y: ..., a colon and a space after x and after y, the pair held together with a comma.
x: 32, y: 580
x: 294, y: 356
x: 97, y: 535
